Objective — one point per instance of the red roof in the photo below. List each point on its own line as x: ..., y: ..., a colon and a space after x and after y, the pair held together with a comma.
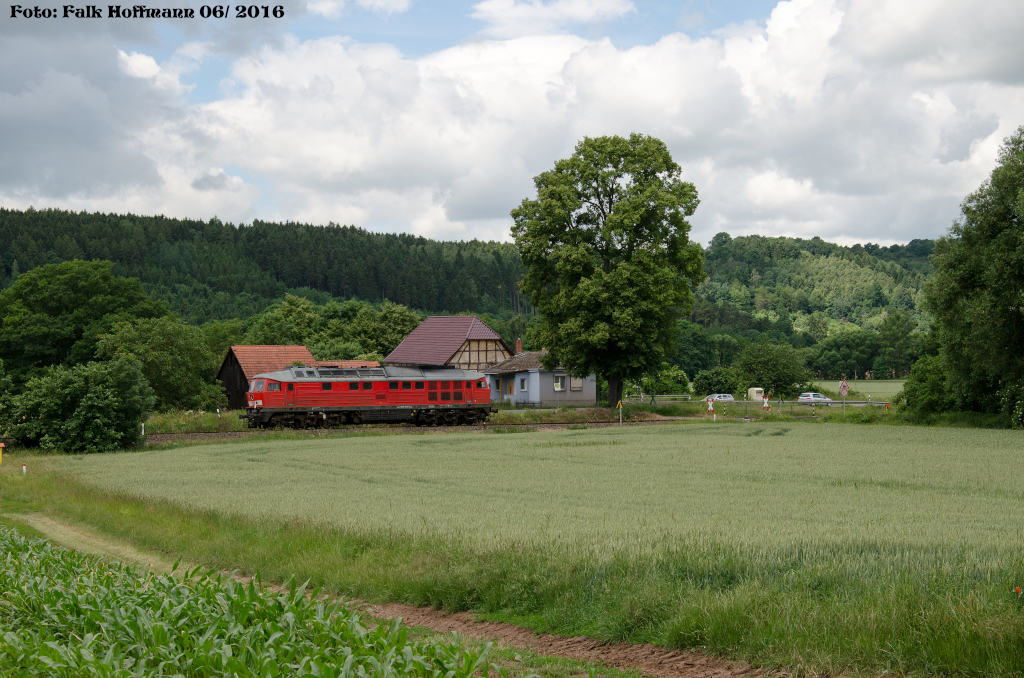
x: 438, y: 338
x: 259, y: 359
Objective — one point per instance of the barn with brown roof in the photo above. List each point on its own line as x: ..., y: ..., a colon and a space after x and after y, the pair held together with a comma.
x: 242, y: 363
x: 462, y: 341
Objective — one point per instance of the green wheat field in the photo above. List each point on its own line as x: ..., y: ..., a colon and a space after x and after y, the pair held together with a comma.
x: 817, y: 548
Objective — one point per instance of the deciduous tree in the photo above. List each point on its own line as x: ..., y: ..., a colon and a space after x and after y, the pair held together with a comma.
x: 175, y: 359
x: 609, y: 263
x: 773, y: 367
x: 976, y: 295
x: 53, y: 314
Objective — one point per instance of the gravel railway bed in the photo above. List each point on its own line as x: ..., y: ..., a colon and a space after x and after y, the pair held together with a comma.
x: 393, y: 429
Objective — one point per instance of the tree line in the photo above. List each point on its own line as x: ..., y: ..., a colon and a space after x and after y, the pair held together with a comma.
x: 210, y: 270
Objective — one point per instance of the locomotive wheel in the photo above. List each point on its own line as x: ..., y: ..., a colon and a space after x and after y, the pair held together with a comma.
x: 356, y: 417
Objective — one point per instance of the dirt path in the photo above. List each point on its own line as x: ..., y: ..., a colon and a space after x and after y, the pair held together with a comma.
x: 650, y: 660
x: 86, y: 541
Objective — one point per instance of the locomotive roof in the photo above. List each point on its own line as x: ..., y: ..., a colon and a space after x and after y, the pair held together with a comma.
x: 370, y: 373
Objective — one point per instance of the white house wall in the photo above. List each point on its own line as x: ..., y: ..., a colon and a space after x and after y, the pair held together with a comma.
x: 549, y: 397
x: 540, y: 390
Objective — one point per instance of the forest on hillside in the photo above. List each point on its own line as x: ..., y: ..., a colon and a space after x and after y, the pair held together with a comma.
x: 210, y: 270
x: 244, y: 283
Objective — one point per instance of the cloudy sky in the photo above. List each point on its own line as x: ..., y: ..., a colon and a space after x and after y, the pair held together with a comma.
x: 855, y: 120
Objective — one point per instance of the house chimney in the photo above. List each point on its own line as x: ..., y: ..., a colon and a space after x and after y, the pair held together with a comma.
x: 519, y: 345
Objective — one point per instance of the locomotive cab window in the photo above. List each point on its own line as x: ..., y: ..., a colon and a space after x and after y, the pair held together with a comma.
x: 273, y: 386
x: 393, y: 385
x: 258, y: 386
x: 419, y: 385
x: 326, y: 386
x: 353, y: 385
x: 481, y: 384
x: 406, y: 385
x: 367, y: 385
x: 291, y: 387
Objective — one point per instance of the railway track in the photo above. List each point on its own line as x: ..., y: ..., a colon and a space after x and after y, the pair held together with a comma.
x: 389, y: 429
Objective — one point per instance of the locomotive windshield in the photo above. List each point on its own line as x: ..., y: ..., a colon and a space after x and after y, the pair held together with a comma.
x: 258, y: 386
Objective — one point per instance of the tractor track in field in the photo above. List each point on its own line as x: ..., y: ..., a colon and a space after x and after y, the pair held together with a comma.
x: 392, y: 429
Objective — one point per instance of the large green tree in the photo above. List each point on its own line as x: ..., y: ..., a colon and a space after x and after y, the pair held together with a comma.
x: 175, y: 359
x: 899, y: 345
x: 609, y: 263
x: 53, y: 314
x: 773, y: 367
x: 976, y: 295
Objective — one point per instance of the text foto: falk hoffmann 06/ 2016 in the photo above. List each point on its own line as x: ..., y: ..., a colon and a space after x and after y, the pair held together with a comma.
x: 144, y: 12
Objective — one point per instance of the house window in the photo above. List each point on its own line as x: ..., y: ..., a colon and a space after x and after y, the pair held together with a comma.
x: 522, y: 384
x: 560, y: 383
x: 575, y: 383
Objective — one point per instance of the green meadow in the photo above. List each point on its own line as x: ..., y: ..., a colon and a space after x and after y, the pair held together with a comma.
x: 818, y: 548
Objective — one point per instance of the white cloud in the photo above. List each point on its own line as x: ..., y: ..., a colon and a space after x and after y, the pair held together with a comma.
x: 820, y: 123
x: 514, y: 18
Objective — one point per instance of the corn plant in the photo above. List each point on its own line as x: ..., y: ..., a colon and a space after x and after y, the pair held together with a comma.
x: 63, y: 613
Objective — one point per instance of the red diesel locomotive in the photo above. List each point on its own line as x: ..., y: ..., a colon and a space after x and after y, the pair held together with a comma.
x: 308, y: 397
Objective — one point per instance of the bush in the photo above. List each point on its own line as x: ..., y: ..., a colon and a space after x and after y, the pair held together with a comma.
x: 1011, y: 399
x: 87, y: 408
x: 716, y: 380
x: 926, y: 389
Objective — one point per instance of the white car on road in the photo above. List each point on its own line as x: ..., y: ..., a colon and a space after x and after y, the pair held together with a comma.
x: 813, y: 398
